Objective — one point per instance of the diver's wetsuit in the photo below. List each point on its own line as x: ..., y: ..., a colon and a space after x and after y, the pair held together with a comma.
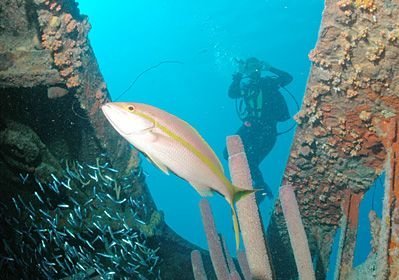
x: 265, y: 107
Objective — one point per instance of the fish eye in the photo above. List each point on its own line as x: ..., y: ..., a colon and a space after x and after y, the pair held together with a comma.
x: 131, y: 108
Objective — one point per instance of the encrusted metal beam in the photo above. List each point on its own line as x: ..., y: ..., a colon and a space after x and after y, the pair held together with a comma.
x: 353, y: 87
x: 388, y: 249
x: 27, y: 69
x: 347, y: 243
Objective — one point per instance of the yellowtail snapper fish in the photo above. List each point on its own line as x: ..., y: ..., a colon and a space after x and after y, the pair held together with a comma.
x: 171, y: 143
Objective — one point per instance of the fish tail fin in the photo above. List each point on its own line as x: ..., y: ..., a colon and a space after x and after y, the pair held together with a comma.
x: 236, y: 226
x: 238, y: 193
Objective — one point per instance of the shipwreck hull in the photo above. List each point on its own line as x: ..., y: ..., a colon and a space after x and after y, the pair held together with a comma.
x: 340, y: 142
x: 51, y: 131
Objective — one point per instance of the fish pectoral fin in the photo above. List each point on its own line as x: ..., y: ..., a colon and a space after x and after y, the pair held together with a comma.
x: 149, y: 136
x: 202, y: 189
x: 145, y: 130
x: 158, y: 164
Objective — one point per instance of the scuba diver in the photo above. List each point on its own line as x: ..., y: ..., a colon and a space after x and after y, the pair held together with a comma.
x: 261, y: 107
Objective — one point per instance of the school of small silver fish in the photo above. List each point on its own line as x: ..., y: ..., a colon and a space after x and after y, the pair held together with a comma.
x: 57, y: 235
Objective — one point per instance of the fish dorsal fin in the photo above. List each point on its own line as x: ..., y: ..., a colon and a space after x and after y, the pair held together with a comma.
x: 202, y: 189
x: 158, y: 164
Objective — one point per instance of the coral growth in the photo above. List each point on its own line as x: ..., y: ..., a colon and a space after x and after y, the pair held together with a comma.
x: 366, y: 5
x: 66, y: 37
x: 376, y: 53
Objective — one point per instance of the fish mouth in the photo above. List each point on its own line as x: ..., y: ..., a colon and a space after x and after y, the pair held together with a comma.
x: 124, y: 122
x: 107, y: 108
x: 114, y: 116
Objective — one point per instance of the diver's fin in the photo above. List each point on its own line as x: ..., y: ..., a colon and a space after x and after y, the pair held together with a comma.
x: 201, y: 189
x: 236, y: 226
x: 158, y: 164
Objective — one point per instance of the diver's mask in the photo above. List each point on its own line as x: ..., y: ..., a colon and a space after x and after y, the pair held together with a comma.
x: 251, y: 67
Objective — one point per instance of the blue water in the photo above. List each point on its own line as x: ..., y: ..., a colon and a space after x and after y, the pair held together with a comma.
x: 372, y: 200
x: 205, y: 36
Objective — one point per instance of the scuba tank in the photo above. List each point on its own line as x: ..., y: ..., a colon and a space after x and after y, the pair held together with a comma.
x: 245, y: 68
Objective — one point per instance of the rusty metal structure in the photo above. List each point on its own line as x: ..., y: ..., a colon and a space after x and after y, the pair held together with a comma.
x: 343, y: 138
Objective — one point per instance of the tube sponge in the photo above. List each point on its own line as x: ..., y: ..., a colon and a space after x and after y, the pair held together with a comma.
x: 296, y: 231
